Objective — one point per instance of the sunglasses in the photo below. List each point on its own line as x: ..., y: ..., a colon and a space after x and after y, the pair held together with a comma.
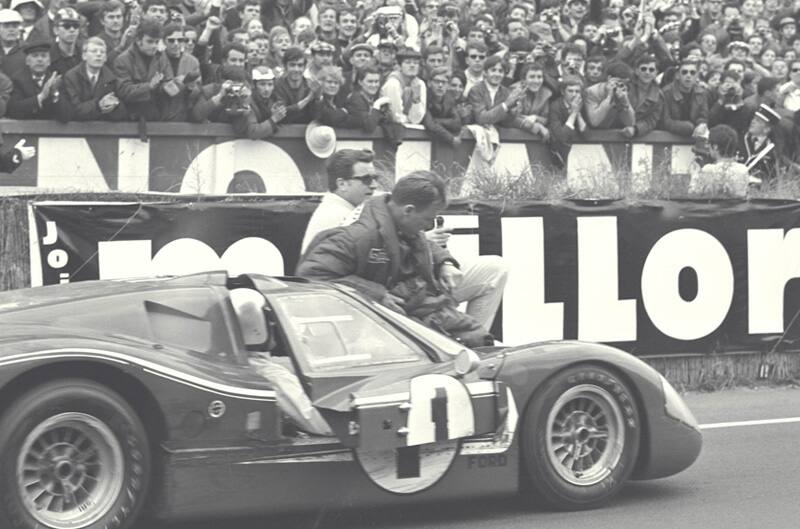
x: 688, y: 72
x: 176, y: 40
x: 648, y: 69
x: 70, y: 25
x: 478, y: 57
x: 365, y: 179
x: 795, y: 70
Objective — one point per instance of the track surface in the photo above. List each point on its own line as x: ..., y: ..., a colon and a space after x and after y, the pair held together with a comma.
x: 747, y: 477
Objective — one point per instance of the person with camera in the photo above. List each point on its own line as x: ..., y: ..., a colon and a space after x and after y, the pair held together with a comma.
x: 686, y: 102
x: 564, y: 120
x: 298, y: 94
x: 729, y: 108
x: 146, y: 85
x: 608, y: 105
x: 224, y: 101
x: 90, y: 88
x: 265, y: 111
x: 406, y: 91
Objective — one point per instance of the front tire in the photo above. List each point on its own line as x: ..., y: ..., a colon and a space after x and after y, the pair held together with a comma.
x: 580, y: 438
x: 73, y: 455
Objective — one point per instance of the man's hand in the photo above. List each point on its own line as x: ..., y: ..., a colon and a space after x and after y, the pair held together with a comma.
x: 541, y: 130
x: 439, y: 236
x: 390, y: 301
x: 628, y: 132
x: 278, y: 112
x: 700, y: 131
x: 26, y: 151
x: 576, y: 104
x: 157, y: 78
x: 416, y: 92
x: 108, y: 103
x: 516, y: 94
x: 450, y: 277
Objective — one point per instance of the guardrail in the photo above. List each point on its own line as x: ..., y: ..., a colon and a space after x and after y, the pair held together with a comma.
x: 195, y: 158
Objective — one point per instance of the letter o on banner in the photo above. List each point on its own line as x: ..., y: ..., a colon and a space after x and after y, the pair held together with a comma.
x: 669, y: 312
x: 190, y: 256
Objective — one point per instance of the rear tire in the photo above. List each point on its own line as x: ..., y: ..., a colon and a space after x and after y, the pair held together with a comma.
x: 580, y: 438
x: 73, y: 454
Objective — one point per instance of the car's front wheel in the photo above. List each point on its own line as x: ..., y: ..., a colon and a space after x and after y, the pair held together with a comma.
x: 580, y: 438
x: 73, y: 454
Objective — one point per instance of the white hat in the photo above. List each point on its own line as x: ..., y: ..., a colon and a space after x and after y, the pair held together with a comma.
x: 17, y: 3
x: 320, y: 139
x: 263, y: 73
x: 9, y: 15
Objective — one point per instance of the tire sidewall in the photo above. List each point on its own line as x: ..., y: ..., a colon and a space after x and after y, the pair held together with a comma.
x: 537, y: 465
x: 75, y: 396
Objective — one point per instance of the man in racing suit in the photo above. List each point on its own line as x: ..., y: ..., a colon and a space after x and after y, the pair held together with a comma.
x: 386, y: 256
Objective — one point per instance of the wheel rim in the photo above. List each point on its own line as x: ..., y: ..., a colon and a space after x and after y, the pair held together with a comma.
x: 70, y: 471
x: 585, y: 435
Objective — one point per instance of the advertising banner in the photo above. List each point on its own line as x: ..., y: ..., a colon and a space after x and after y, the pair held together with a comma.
x: 652, y: 277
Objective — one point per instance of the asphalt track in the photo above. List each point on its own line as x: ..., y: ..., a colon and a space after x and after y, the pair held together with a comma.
x: 748, y: 477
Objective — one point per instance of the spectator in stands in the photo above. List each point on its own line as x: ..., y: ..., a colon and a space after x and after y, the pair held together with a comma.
x: 565, y: 121
x: 790, y: 91
x: 36, y: 88
x: 729, y: 108
x: 65, y: 53
x: 594, y: 71
x: 492, y: 103
x: 442, y: 120
x: 279, y: 42
x: 13, y: 58
x: 326, y: 28
x: 329, y: 111
x: 146, y: 86
x: 224, y: 101
x: 724, y: 175
x: 366, y: 108
x: 265, y: 111
x: 645, y: 97
x: 90, y: 88
x: 608, y: 105
x: 533, y: 109
x: 183, y: 66
x: 233, y: 54
x: 406, y: 91
x: 685, y: 102
x: 433, y: 57
x: 387, y: 58
x: 156, y: 10
x: 766, y: 93
x: 347, y: 23
x: 283, y: 12
x: 117, y: 38
x: 475, y: 57
x: 321, y: 56
x: 30, y: 11
x: 760, y: 148
x: 6, y: 86
x: 294, y: 91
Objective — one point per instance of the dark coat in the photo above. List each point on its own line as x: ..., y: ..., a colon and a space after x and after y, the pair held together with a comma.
x: 683, y: 112
x: 23, y: 103
x: 6, y: 86
x: 62, y: 63
x: 82, y: 99
x: 257, y: 123
x: 134, y: 71
x: 14, y: 61
x: 561, y: 136
x: 486, y: 111
x: 272, y: 14
x: 290, y: 97
x: 359, y: 106
x: 331, y: 114
x: 648, y: 106
x: 366, y: 254
x: 441, y: 119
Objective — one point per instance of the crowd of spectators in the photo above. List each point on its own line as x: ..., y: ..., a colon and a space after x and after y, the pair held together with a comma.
x: 552, y: 68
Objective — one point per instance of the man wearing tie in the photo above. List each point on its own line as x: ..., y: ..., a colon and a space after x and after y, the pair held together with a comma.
x: 90, y: 87
x: 35, y: 88
x: 759, y: 150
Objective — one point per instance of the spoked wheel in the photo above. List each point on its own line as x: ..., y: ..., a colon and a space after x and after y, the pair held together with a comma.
x: 580, y: 438
x: 74, y: 456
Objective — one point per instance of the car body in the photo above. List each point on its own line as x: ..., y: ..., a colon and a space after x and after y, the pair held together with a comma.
x: 415, y: 415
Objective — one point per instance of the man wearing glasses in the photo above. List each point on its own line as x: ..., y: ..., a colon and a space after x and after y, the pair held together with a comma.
x: 64, y: 54
x: 475, y: 56
x: 185, y: 67
x: 686, y: 102
x: 645, y: 97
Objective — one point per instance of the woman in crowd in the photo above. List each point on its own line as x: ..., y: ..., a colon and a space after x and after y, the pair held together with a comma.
x: 365, y: 108
x: 329, y: 112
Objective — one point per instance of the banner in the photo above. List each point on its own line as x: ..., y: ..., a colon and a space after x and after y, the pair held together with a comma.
x: 651, y: 277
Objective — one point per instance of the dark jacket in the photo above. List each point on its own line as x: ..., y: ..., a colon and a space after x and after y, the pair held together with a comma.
x: 441, y: 119
x: 561, y: 136
x: 359, y: 105
x: 648, y: 105
x: 683, y: 112
x: 272, y: 14
x: 257, y: 123
x: 81, y: 99
x: 366, y: 254
x: 485, y: 110
x: 23, y: 103
x: 14, y: 61
x: 290, y: 97
x: 62, y: 63
x: 6, y: 86
x: 331, y: 114
x: 134, y: 71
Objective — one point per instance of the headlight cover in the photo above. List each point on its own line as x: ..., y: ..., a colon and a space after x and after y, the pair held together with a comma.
x: 675, y: 406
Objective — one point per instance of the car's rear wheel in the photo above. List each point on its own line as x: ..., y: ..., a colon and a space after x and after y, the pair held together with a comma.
x: 73, y: 455
x: 580, y: 438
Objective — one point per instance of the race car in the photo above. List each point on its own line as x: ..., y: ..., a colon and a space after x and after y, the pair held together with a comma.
x: 121, y: 398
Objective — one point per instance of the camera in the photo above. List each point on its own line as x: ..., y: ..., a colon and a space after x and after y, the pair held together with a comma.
x: 235, y: 99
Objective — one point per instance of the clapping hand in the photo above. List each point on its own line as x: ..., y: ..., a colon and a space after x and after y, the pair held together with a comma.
x: 26, y: 151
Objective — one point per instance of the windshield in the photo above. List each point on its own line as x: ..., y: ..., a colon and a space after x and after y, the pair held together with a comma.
x: 330, y: 333
x: 436, y: 339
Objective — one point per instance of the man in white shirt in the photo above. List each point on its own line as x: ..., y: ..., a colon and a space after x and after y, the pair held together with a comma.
x: 351, y: 180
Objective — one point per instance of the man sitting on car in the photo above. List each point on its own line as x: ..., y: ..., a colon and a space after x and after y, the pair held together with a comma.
x: 387, y: 257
